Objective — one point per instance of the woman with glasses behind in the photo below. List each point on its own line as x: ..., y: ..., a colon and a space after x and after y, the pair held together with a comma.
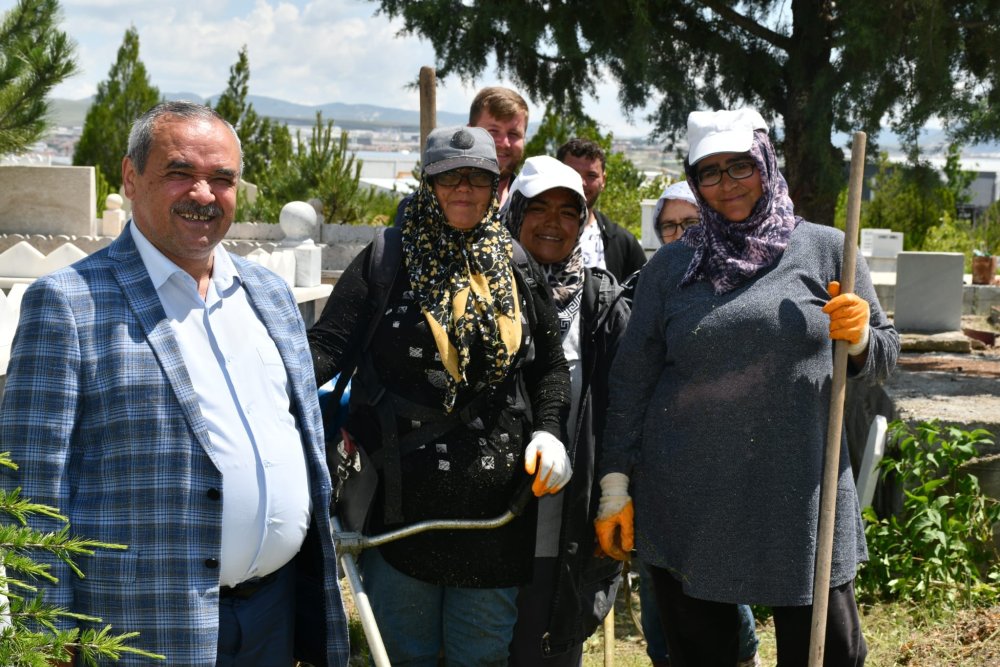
x: 676, y: 212
x: 720, y: 396
x: 462, y: 386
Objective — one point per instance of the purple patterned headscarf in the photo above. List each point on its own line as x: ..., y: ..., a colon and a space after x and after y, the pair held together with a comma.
x: 728, y: 254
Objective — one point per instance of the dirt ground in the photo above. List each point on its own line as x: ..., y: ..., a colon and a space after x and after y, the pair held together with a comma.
x: 980, y: 363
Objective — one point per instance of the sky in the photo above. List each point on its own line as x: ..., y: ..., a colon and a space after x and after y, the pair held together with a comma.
x: 303, y: 51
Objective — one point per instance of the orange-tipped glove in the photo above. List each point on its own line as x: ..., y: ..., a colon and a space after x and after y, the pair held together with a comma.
x: 546, y: 454
x: 848, y: 318
x: 613, y: 524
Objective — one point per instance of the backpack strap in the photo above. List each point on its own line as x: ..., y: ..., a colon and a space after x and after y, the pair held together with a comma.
x: 380, y: 274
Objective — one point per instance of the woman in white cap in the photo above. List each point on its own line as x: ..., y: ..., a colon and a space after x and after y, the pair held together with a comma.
x: 721, y: 389
x: 461, y: 387
x: 572, y: 588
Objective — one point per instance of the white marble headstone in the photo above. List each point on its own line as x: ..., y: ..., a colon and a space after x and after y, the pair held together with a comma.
x: 929, y: 292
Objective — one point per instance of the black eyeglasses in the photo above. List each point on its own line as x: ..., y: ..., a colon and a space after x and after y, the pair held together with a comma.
x: 477, y: 178
x: 671, y: 228
x: 713, y: 175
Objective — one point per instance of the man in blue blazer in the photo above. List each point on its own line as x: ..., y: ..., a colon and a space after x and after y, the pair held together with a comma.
x: 161, y: 394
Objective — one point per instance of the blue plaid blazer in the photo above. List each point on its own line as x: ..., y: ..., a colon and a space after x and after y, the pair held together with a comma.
x: 100, y: 414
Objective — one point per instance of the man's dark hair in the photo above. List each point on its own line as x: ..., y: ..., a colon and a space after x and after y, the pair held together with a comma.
x: 140, y: 137
x: 582, y: 148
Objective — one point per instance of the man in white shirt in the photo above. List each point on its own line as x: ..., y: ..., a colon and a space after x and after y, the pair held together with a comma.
x: 161, y: 394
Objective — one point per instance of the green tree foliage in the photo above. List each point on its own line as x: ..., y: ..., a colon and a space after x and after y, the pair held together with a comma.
x: 907, y: 198
x: 320, y: 167
x: 31, y: 637
x: 625, y: 187
x: 939, y: 549
x: 986, y: 231
x: 123, y: 97
x: 34, y: 58
x: 260, y: 138
x: 820, y: 66
x: 913, y: 198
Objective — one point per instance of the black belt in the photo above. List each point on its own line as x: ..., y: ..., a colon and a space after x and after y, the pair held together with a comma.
x: 245, y: 589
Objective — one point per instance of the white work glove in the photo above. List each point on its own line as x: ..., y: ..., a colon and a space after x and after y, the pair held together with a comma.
x: 546, y: 454
x: 615, y: 516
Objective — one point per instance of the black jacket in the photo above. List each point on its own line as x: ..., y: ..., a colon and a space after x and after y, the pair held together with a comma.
x: 586, y: 585
x: 623, y: 255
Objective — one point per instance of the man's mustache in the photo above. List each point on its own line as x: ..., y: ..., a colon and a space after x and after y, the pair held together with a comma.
x: 193, y: 208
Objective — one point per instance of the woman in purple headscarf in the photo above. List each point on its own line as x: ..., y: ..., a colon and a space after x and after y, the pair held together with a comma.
x: 720, y: 400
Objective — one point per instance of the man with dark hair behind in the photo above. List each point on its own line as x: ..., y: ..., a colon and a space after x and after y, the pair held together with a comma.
x: 504, y: 114
x: 605, y: 244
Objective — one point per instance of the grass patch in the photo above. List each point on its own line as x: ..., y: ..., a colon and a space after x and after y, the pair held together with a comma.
x: 898, y: 634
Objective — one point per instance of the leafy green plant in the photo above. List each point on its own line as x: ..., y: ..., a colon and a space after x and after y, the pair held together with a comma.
x: 939, y: 549
x: 322, y: 167
x: 28, y: 625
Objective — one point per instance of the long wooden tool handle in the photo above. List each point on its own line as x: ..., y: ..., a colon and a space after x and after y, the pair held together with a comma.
x: 831, y: 460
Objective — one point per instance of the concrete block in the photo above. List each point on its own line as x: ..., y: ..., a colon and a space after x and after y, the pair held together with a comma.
x: 24, y: 261
x: 254, y: 231
x: 48, y: 200
x: 983, y: 298
x: 928, y: 295
x: 334, y: 234
x: 650, y: 240
x: 308, y: 265
x: 281, y: 262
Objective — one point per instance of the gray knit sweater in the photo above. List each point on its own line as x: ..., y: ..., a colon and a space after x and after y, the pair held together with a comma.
x: 719, y: 407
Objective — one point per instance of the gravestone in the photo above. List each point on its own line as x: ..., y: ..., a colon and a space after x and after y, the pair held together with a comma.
x: 880, y: 247
x: 928, y: 292
x: 48, y: 200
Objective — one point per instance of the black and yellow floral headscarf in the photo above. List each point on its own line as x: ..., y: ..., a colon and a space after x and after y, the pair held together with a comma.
x: 464, y: 283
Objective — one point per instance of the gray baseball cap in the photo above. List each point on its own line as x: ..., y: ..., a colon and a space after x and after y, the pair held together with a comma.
x: 456, y: 147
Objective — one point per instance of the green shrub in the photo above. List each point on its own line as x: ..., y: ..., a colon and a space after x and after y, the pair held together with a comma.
x: 939, y: 549
x: 28, y: 632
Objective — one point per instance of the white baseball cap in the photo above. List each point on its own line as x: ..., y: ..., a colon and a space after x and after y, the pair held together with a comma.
x: 727, y: 131
x: 541, y: 173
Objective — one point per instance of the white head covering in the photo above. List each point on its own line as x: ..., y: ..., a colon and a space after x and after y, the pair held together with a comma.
x: 541, y: 173
x: 727, y: 131
x: 679, y: 190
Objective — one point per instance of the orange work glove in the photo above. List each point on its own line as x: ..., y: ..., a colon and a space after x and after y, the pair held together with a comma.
x: 615, y: 515
x: 849, y: 315
x: 546, y: 454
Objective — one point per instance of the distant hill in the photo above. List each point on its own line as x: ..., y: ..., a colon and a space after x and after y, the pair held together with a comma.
x: 71, y: 113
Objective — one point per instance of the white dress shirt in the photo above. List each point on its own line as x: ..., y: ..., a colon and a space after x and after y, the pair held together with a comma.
x: 243, y: 392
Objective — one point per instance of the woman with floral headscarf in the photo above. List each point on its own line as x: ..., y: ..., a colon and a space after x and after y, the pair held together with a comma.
x: 721, y: 388
x: 461, y: 387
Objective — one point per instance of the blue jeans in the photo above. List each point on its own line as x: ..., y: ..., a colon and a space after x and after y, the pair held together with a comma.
x: 417, y: 620
x: 652, y: 630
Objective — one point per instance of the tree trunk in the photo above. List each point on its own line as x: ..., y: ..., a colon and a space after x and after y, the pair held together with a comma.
x: 814, y: 167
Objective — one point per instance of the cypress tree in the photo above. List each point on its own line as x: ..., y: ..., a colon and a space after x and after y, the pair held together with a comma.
x: 123, y: 97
